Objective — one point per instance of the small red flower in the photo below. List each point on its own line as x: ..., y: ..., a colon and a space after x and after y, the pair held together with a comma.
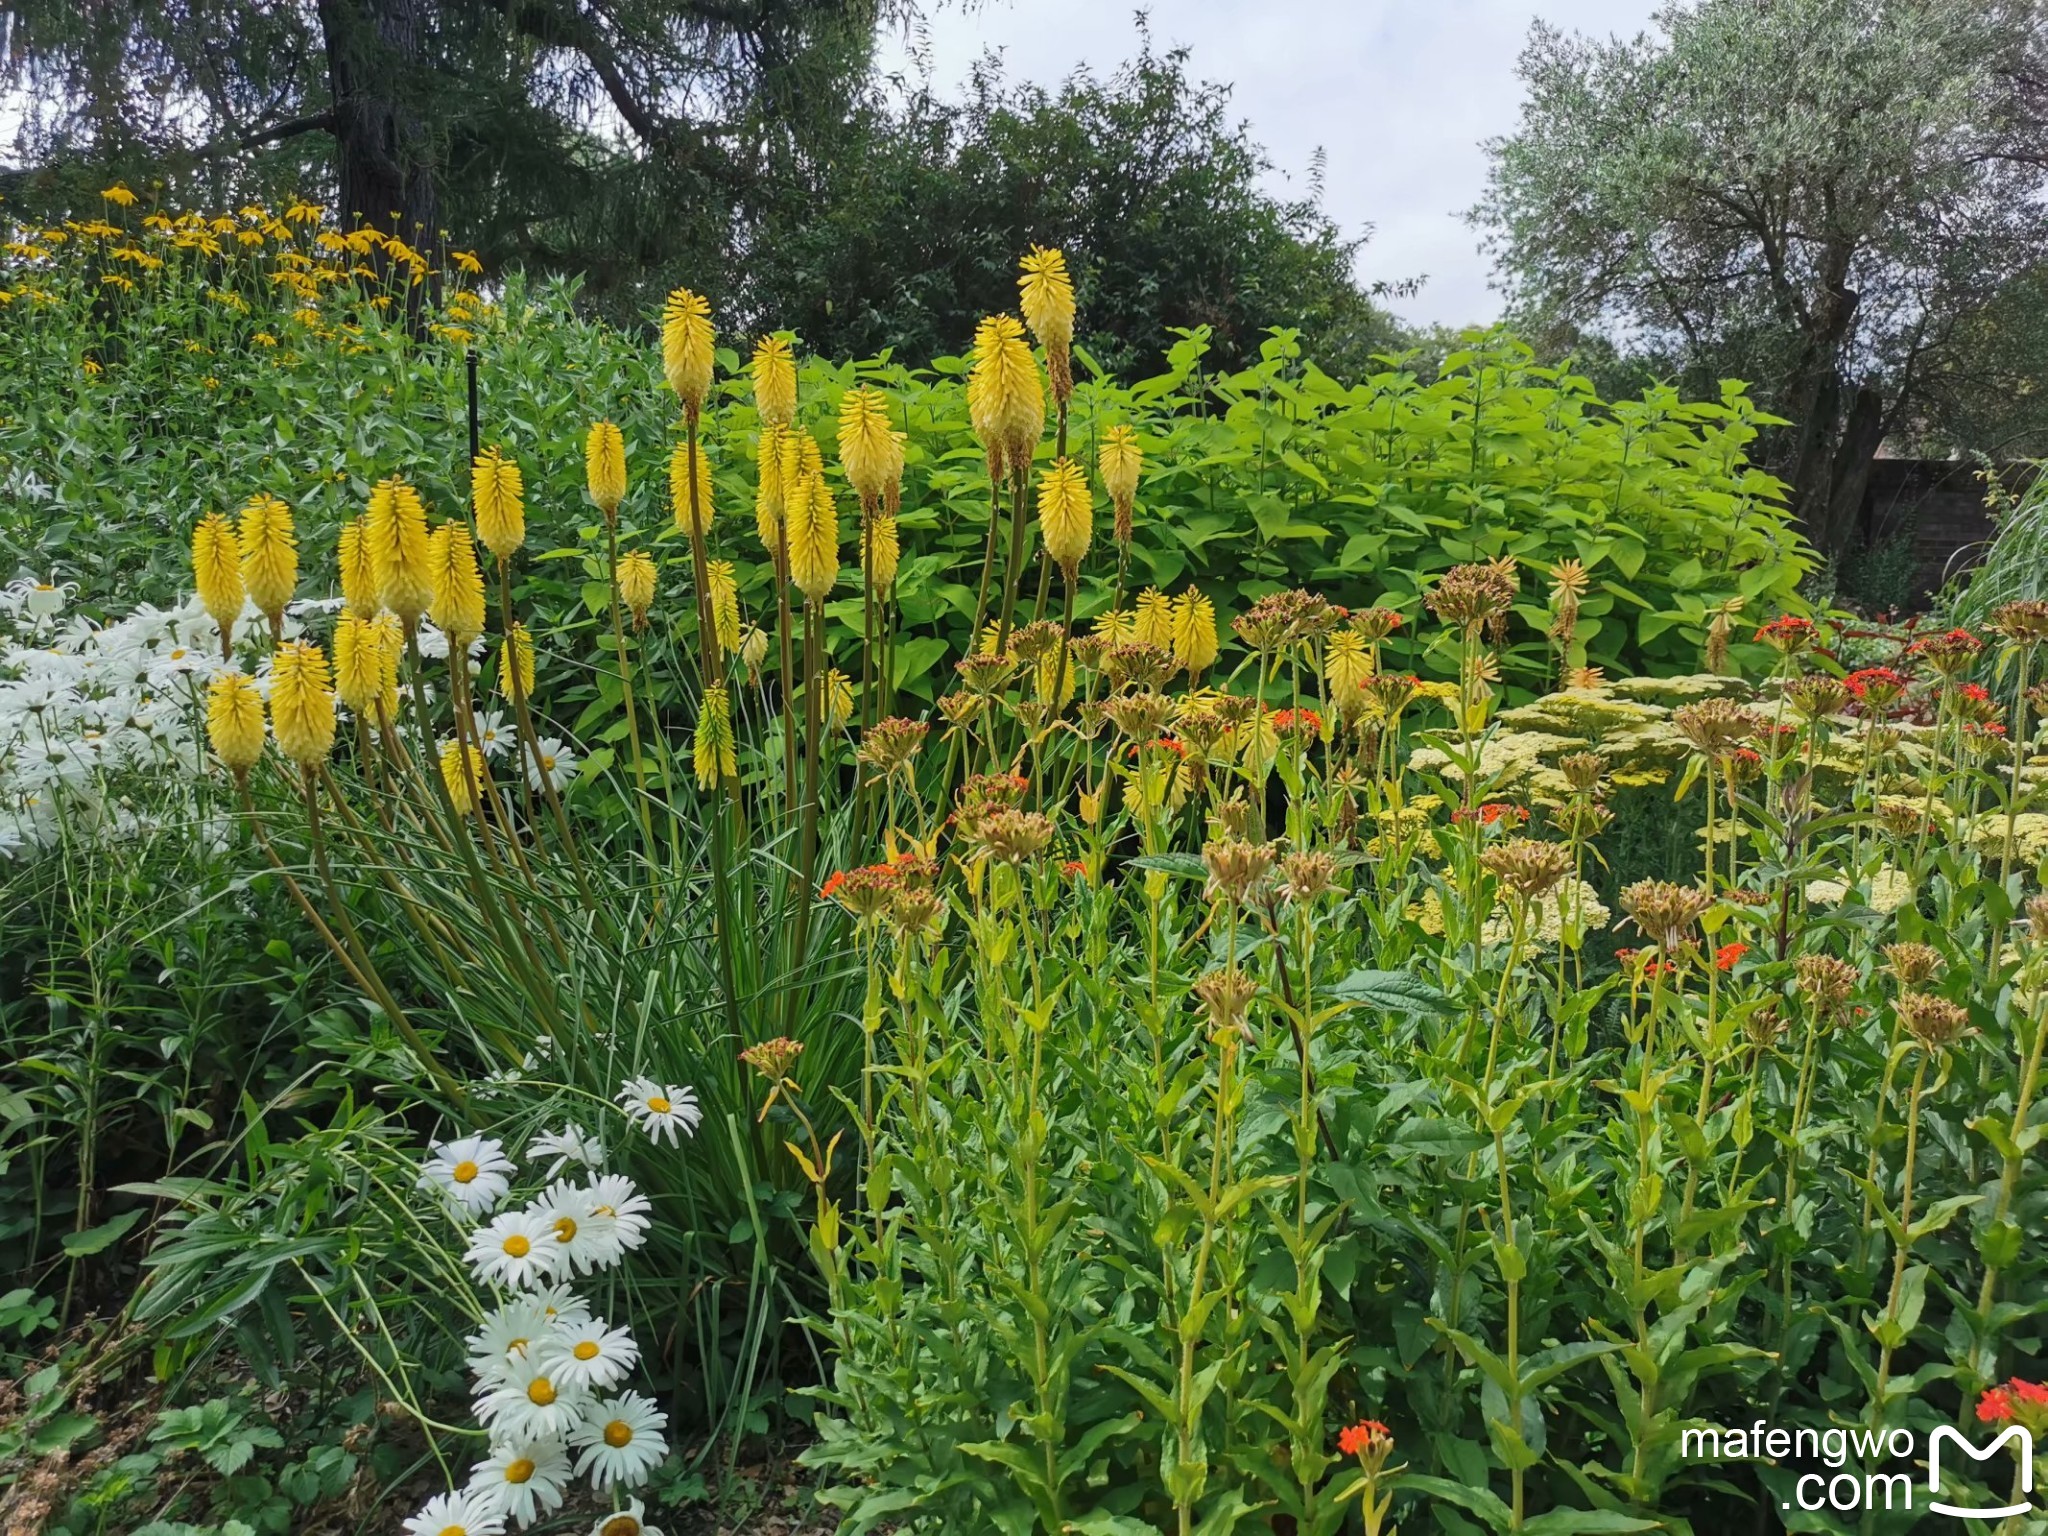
x: 1995, y: 1406
x: 2031, y: 1394
x: 1074, y: 869
x: 1790, y: 633
x: 1306, y: 720
x: 832, y: 883
x: 1363, y: 1436
x: 1726, y: 956
x: 1877, y: 685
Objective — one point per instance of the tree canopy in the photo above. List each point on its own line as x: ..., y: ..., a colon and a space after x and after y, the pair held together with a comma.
x: 744, y: 147
x: 1839, y: 200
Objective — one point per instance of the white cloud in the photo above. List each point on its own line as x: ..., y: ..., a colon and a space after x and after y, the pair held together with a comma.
x: 1398, y: 94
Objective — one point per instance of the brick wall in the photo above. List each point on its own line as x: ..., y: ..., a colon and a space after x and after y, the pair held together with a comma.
x: 1943, y: 501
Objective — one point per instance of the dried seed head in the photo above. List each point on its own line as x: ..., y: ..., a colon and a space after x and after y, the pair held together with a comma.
x: 1139, y: 716
x: 2024, y: 622
x: 1139, y: 665
x: 1237, y: 819
x: 1307, y: 875
x: 1934, y: 1021
x: 1226, y: 996
x: 1526, y: 866
x: 773, y: 1059
x: 1235, y: 867
x: 2037, y: 919
x: 1581, y: 820
x: 1014, y: 836
x: 984, y: 672
x: 1714, y: 727
x: 889, y: 745
x: 1473, y: 595
x: 1763, y: 1027
x: 1664, y: 912
x: 1034, y: 642
x: 1902, y: 819
x: 1913, y: 964
x: 1581, y: 770
x: 1825, y: 982
x: 1817, y: 696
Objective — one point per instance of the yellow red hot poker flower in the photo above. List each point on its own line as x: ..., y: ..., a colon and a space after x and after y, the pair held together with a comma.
x: 234, y: 722
x: 774, y: 372
x: 1005, y: 401
x: 636, y: 584
x: 687, y: 344
x: 604, y: 467
x: 270, y: 556
x: 301, y: 703
x: 360, y: 594
x: 498, y: 493
x: 1194, y: 632
x: 871, y: 453
x: 1066, y: 516
x: 1118, y: 462
x: 217, y: 573
x: 395, y: 529
x: 812, y: 520
x: 714, y: 753
x: 458, y: 606
x: 1046, y: 295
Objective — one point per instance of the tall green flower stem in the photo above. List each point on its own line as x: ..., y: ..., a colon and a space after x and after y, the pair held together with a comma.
x: 2019, y: 1142
x: 1013, y: 569
x: 1889, y: 1331
x: 2019, y: 754
x: 529, y: 739
x: 807, y: 837
x: 611, y: 535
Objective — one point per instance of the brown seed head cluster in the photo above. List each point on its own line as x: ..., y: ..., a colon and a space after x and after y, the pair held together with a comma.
x: 1934, y: 1021
x: 1235, y: 868
x: 1226, y: 996
x: 1913, y: 965
x: 1469, y: 596
x: 1825, y: 982
x: 1712, y: 727
x: 1527, y: 866
x: 1664, y: 912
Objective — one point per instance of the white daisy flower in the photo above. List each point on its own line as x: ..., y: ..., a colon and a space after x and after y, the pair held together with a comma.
x: 586, y: 1246
x: 455, y: 1514
x: 625, y: 1522
x: 564, y: 1308
x: 592, y: 1355
x: 531, y: 1403
x: 522, y: 1480
x: 619, y: 1213
x: 492, y: 738
x: 473, y: 1173
x: 516, y: 1249
x: 557, y: 764
x: 508, y: 1333
x: 620, y: 1440
x: 571, y: 1144
x: 660, y: 1110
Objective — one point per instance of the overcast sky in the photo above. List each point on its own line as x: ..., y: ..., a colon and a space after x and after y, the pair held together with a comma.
x: 1398, y: 93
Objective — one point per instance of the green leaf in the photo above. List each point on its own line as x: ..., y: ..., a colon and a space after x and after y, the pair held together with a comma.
x: 1392, y: 992
x: 79, y: 1245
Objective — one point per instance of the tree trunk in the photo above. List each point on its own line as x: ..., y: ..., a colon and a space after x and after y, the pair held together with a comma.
x: 384, y: 157
x: 1849, y: 476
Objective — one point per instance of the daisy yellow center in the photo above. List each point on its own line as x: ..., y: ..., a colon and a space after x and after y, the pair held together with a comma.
x: 586, y: 1349
x: 518, y: 1471
x: 565, y: 1229
x: 465, y: 1172
x: 605, y: 1210
x: 540, y: 1392
x: 517, y: 1246
x: 620, y: 1525
x: 454, y: 1530
x: 547, y: 764
x: 618, y: 1434
x: 178, y: 654
x: 516, y: 1347
x: 659, y: 1104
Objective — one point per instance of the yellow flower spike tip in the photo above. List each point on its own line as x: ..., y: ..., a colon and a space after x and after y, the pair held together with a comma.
x: 871, y: 453
x: 462, y: 771
x: 838, y: 699
x: 301, y: 703
x: 1046, y: 295
x: 1005, y: 401
x: 774, y: 370
x: 810, y: 458
x: 1347, y: 663
x: 498, y: 492
x: 1066, y: 516
x: 636, y: 584
x: 358, y: 664
x: 1118, y: 462
x: 515, y: 662
x: 714, y: 754
x: 687, y: 343
x: 270, y: 556
x: 768, y: 486
x: 724, y: 588
x: 217, y: 573
x: 359, y: 591
x: 396, y: 532
x: 679, y: 488
x: 604, y: 466
x: 390, y: 649
x: 234, y: 722
x: 1194, y: 632
x: 1154, y: 624
x: 458, y: 607
x: 883, y: 553
x: 813, y: 524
